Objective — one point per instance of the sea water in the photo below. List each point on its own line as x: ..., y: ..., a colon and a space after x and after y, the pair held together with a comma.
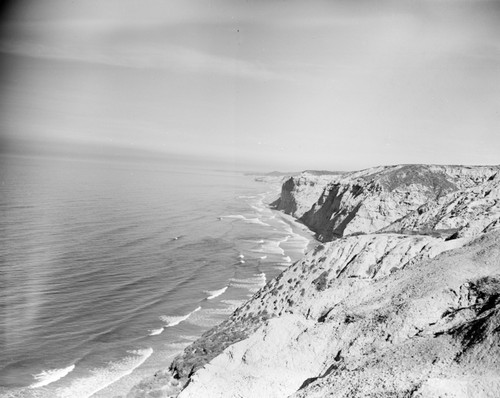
x: 110, y: 268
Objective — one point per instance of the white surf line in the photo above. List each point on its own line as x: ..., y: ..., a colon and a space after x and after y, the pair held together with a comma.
x: 254, y: 220
x: 45, y: 377
x: 155, y: 332
x: 175, y: 320
x: 101, y: 378
x: 216, y: 293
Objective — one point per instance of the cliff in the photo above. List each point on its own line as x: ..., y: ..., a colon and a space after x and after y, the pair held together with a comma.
x: 424, y: 332
x: 369, y: 200
x: 299, y: 193
x: 402, y: 298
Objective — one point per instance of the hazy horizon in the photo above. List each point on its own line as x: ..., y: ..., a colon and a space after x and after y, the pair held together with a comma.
x: 253, y: 85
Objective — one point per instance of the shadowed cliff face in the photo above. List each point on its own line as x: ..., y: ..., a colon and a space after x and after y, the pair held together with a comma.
x: 403, y: 301
x: 369, y: 200
x: 298, y: 194
x: 287, y: 199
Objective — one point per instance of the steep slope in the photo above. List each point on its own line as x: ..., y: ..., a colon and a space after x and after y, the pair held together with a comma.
x: 410, y: 309
x: 369, y: 200
x: 431, y: 331
x: 343, y: 330
x: 299, y: 193
x: 351, y: 332
x: 466, y: 213
x: 367, y: 257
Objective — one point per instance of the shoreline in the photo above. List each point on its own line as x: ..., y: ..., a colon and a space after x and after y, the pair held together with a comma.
x: 369, y: 287
x: 163, y: 378
x: 244, y: 264
x: 295, y: 228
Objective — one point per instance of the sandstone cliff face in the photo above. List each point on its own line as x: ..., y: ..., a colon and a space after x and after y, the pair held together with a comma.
x: 299, y: 193
x: 369, y: 200
x: 425, y: 331
x: 469, y: 212
x: 302, y: 288
x: 404, y: 301
x: 431, y: 331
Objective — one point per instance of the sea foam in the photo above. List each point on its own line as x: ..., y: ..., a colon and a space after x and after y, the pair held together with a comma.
x: 46, y: 377
x: 255, y: 220
x: 252, y: 284
x: 155, y: 332
x: 103, y: 377
x: 175, y: 320
x: 237, y: 216
x: 272, y: 247
x: 215, y: 293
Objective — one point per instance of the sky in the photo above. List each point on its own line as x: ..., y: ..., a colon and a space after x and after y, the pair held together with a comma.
x: 253, y: 84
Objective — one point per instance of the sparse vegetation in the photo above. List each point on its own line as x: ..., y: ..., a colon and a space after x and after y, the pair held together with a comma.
x: 321, y: 281
x: 318, y: 248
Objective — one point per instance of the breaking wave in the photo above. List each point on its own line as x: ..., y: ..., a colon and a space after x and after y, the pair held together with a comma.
x: 46, y: 377
x: 272, y: 247
x: 175, y: 320
x: 215, y: 293
x: 252, y: 284
x: 103, y: 377
x: 255, y: 220
x: 155, y: 332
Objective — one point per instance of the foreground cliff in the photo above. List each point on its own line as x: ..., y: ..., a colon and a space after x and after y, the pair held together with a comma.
x: 401, y: 300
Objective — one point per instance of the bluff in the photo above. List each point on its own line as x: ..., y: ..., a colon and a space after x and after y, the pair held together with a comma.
x: 368, y: 200
x: 401, y: 299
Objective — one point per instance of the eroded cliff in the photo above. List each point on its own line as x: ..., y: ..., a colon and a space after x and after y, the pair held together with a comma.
x: 402, y: 299
x: 369, y: 200
x: 425, y: 331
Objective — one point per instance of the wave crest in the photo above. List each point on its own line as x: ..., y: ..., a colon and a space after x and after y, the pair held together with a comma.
x: 155, y: 332
x: 216, y: 293
x: 175, y: 320
x: 103, y: 377
x: 46, y: 377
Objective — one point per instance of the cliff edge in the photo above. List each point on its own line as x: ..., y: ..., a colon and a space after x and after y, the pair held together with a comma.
x: 368, y: 200
x: 402, y: 298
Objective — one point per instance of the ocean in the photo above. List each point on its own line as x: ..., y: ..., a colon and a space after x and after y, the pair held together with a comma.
x: 108, y: 269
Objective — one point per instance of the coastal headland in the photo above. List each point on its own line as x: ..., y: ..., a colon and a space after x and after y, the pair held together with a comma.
x: 400, y: 299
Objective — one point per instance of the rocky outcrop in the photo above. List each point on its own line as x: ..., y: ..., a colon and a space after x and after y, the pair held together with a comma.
x: 369, y: 200
x: 428, y: 330
x: 299, y: 193
x: 466, y: 213
x: 402, y: 299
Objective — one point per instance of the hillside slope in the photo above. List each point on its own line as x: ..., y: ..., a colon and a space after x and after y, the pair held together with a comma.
x: 369, y: 200
x: 402, y: 298
x: 428, y: 330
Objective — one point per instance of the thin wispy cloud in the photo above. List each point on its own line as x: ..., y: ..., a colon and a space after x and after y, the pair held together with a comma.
x: 165, y: 57
x: 226, y: 77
